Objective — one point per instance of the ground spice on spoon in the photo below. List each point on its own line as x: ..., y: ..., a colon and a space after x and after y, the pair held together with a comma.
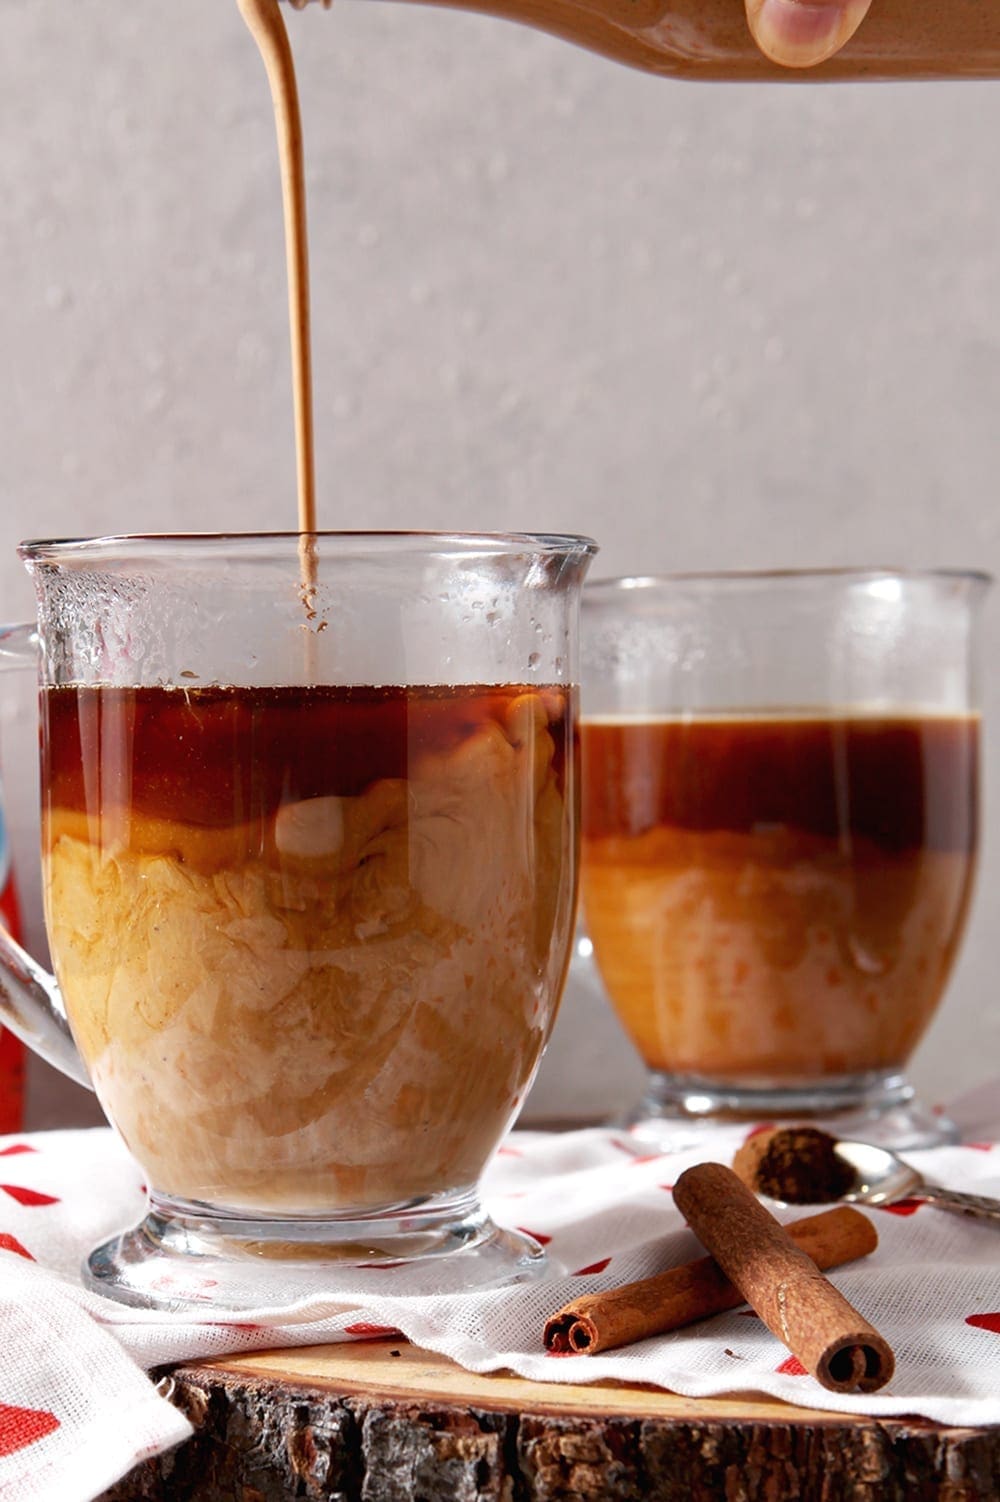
x: 797, y: 1165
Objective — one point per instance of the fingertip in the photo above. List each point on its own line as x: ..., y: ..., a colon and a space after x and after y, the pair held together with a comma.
x: 802, y: 33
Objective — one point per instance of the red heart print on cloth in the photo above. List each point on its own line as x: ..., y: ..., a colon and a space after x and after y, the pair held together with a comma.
x: 20, y: 1427
x: 593, y: 1267
x: 10, y: 1243
x: 792, y: 1367
x: 15, y: 1148
x: 985, y: 1322
x: 28, y: 1196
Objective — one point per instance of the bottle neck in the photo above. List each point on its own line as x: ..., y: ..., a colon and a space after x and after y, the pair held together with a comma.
x: 710, y: 39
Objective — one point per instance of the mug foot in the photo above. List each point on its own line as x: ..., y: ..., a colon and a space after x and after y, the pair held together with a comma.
x: 677, y: 1113
x: 187, y: 1256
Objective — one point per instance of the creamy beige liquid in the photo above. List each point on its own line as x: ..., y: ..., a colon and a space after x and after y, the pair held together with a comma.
x: 267, y: 27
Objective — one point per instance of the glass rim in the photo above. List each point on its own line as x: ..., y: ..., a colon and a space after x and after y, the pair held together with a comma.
x: 639, y: 582
x: 139, y: 544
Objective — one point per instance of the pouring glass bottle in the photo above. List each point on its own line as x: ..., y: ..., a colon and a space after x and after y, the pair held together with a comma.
x: 710, y: 40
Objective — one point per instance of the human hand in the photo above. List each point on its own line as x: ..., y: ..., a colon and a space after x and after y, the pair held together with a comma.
x: 801, y: 33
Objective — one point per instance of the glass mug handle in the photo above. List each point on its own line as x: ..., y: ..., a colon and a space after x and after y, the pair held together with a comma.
x: 31, y: 1005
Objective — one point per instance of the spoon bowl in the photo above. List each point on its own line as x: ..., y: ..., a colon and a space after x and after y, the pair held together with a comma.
x: 884, y: 1178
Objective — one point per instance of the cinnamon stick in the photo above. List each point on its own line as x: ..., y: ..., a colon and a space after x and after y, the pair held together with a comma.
x: 817, y: 1324
x: 601, y: 1321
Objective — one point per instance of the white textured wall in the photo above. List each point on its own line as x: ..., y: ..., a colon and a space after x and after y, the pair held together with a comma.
x: 712, y: 326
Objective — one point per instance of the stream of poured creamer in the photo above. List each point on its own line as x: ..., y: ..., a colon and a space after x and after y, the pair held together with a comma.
x: 267, y: 27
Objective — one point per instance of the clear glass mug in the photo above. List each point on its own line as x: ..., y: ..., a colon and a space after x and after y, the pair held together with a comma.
x: 780, y: 811
x: 310, y: 865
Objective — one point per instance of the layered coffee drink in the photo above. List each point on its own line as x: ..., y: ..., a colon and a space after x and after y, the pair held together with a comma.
x: 311, y: 940
x: 777, y: 898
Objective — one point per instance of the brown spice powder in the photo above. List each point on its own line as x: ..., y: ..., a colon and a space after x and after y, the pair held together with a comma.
x: 798, y: 1165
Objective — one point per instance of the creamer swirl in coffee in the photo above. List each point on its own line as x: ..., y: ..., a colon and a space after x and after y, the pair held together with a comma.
x: 779, y: 896
x: 311, y: 940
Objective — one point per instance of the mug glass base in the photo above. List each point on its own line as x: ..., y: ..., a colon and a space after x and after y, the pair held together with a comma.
x: 189, y: 1256
x: 677, y: 1112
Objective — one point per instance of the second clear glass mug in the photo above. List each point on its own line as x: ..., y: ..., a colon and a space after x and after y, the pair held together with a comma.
x: 780, y: 820
x: 310, y: 855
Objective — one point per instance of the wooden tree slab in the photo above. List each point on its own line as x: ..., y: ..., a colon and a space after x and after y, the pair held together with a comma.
x: 385, y: 1422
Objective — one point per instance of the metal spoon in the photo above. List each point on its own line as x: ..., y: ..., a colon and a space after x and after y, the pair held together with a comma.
x: 883, y: 1179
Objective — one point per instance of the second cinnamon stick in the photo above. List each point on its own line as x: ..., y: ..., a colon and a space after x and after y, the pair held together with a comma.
x: 618, y: 1316
x: 831, y: 1339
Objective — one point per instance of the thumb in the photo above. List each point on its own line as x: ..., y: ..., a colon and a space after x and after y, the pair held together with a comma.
x: 800, y: 33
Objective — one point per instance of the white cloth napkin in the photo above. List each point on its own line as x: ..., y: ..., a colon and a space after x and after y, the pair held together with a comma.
x: 77, y: 1410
